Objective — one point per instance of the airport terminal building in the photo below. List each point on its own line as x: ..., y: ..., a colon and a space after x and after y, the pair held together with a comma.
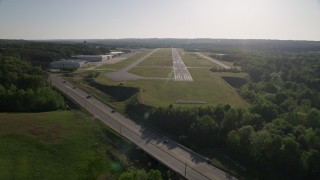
x: 93, y: 58
x: 65, y: 63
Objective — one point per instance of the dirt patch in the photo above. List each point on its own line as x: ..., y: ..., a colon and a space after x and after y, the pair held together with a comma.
x: 36, y: 130
x: 46, y: 134
x: 52, y: 136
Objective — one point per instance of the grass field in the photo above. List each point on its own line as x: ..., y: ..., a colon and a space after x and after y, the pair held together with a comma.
x: 190, y: 59
x: 224, y: 62
x: 160, y: 72
x: 58, y: 145
x: 207, y: 86
x: 163, y: 57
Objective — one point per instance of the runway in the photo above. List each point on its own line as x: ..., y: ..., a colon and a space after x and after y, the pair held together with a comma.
x: 181, y: 72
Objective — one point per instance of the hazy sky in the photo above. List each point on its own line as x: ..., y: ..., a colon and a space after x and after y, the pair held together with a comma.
x: 89, y: 19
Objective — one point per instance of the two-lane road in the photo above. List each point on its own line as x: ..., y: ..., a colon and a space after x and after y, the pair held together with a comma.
x: 180, y: 159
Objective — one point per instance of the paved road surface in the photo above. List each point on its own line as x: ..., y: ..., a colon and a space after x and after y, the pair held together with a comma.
x: 181, y: 72
x: 180, y: 159
x: 215, y: 61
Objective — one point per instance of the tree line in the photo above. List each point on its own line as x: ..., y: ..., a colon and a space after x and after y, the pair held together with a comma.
x: 23, y: 84
x: 42, y: 54
x: 24, y: 87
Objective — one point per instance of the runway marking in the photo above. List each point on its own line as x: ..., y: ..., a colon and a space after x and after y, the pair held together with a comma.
x: 180, y: 71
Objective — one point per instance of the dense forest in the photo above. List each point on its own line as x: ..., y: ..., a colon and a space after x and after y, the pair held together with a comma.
x: 43, y: 53
x: 23, y: 83
x: 24, y: 87
x: 205, y: 44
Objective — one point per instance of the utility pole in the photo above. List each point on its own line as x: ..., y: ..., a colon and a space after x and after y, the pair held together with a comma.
x: 185, y: 170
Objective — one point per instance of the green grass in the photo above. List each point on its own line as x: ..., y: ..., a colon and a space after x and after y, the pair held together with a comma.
x: 191, y: 59
x: 224, y: 62
x: 207, y: 86
x: 162, y: 57
x: 160, y: 72
x: 56, y: 145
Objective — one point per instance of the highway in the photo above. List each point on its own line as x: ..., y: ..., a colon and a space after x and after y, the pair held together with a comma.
x: 176, y: 157
x: 181, y: 72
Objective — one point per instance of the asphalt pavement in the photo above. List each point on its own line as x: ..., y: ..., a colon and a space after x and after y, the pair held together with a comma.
x: 180, y: 159
x: 181, y: 72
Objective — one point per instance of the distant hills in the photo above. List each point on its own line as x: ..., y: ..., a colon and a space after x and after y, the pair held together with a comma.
x: 191, y: 44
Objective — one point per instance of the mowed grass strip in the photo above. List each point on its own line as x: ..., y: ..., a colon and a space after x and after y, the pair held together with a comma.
x: 159, y: 72
x: 224, y: 62
x: 207, y: 86
x: 163, y: 57
x: 55, y: 145
x: 191, y: 59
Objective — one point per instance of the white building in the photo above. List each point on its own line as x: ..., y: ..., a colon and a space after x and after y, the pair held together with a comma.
x: 93, y: 58
x: 116, y: 53
x: 63, y: 63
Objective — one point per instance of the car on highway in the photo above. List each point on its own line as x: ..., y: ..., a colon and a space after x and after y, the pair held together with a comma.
x: 113, y: 111
x: 88, y: 96
x: 64, y: 81
x: 165, y: 141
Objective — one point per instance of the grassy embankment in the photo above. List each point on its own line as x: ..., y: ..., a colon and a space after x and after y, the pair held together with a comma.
x: 65, y: 145
x: 58, y: 145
